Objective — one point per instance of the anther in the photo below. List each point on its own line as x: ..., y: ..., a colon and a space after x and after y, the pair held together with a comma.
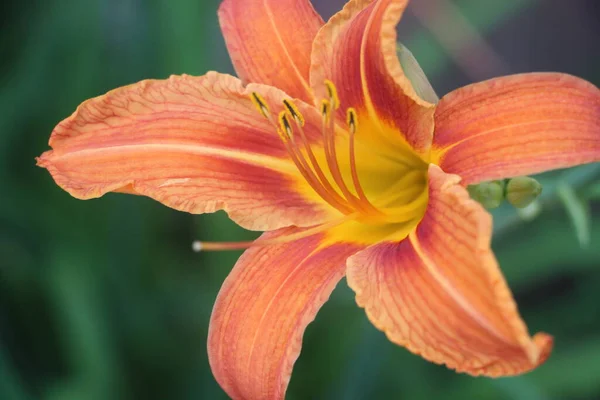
x: 333, y: 94
x: 311, y: 171
x: 352, y: 122
x: 351, y: 119
x: 294, y: 112
x: 260, y: 104
x: 324, y: 107
x: 284, y: 124
x: 325, y: 110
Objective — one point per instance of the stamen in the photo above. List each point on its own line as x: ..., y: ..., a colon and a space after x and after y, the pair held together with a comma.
x: 260, y: 104
x: 352, y: 122
x: 333, y: 94
x: 336, y: 193
x: 325, y: 114
x: 328, y: 127
x: 198, y: 246
x: 285, y: 126
x: 294, y: 112
x: 325, y: 109
x: 304, y: 168
x: 314, y: 162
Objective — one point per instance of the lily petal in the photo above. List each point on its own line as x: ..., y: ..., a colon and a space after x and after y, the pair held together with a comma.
x: 517, y: 125
x: 356, y: 50
x: 196, y: 144
x: 263, y: 308
x: 415, y: 74
x: 270, y: 41
x: 441, y: 294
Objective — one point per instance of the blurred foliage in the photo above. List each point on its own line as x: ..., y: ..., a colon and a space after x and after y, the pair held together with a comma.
x: 104, y: 299
x: 578, y: 210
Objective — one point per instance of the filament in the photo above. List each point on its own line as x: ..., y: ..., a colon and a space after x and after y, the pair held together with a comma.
x: 326, y: 178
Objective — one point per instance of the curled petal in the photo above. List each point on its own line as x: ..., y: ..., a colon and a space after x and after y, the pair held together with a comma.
x: 441, y: 294
x: 270, y: 41
x: 263, y: 308
x: 517, y: 125
x: 356, y: 50
x: 415, y: 74
x: 196, y: 144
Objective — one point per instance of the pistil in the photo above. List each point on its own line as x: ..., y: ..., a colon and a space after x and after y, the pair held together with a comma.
x: 218, y: 246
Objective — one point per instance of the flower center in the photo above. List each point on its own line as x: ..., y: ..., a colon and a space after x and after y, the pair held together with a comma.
x: 383, y: 197
x: 331, y: 171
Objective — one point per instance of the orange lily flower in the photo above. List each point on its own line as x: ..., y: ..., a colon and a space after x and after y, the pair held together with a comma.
x: 352, y: 168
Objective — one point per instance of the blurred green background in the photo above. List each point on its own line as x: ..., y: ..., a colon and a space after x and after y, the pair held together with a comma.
x: 104, y: 299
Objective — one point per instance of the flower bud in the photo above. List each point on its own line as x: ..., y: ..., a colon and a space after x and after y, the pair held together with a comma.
x: 488, y: 194
x: 522, y: 191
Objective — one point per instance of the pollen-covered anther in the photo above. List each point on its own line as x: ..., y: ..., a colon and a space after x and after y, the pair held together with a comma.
x: 289, y: 125
x: 294, y: 112
x: 285, y: 126
x: 333, y: 94
x: 325, y: 110
x: 308, y: 168
x: 351, y: 120
x: 260, y: 104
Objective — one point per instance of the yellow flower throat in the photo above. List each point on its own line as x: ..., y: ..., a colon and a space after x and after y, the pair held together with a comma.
x: 382, y: 197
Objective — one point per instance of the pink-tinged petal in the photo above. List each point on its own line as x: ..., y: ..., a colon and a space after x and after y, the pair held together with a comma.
x: 356, y: 50
x: 441, y: 294
x: 196, y: 144
x: 517, y: 125
x: 263, y: 308
x: 270, y: 41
